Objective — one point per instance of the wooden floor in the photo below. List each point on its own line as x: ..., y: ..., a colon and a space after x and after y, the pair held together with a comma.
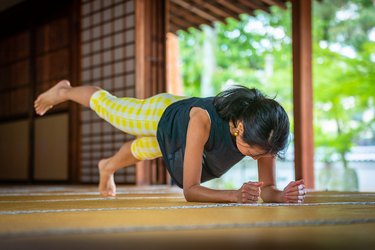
x: 75, y: 217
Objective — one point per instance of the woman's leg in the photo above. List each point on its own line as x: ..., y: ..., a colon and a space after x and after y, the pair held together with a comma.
x: 133, y: 116
x: 107, y: 168
x: 143, y: 148
x: 62, y: 92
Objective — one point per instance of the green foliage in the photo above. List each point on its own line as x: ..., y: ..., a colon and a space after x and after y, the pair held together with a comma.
x: 239, y: 52
x: 343, y: 84
x: 344, y: 21
x: 190, y: 46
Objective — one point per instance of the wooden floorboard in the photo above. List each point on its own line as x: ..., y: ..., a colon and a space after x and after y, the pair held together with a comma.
x: 75, y: 217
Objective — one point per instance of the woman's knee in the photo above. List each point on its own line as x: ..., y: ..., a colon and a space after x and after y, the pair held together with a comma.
x: 145, y: 148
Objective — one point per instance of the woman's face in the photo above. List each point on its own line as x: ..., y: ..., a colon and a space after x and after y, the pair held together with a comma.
x: 248, y: 150
x: 254, y: 152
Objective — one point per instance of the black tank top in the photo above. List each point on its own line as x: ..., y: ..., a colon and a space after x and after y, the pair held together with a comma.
x: 220, y: 153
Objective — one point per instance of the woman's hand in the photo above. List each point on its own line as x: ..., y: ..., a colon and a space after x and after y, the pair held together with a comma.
x: 249, y: 192
x: 294, y: 193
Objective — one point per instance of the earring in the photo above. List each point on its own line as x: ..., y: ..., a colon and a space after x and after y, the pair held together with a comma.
x: 236, y: 133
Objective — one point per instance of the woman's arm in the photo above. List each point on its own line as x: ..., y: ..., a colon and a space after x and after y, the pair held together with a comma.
x: 293, y: 192
x: 266, y: 174
x: 197, y: 136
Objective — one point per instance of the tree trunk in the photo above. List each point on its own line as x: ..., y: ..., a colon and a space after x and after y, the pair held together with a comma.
x: 344, y: 160
x: 209, y: 61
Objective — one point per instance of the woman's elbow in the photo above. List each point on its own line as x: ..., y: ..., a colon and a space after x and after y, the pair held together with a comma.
x: 189, y: 194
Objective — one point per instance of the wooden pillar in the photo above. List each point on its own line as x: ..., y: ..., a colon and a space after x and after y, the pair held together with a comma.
x: 140, y: 47
x: 150, y: 53
x: 75, y: 167
x: 174, y: 79
x: 303, y: 91
x: 142, y: 170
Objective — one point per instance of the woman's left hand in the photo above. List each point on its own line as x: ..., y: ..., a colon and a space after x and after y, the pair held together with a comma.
x: 249, y: 192
x: 294, y: 192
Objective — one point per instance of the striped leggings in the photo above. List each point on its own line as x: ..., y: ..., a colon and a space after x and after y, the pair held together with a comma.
x: 136, y: 117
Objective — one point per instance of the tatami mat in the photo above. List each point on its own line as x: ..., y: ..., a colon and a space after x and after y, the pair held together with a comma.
x: 75, y: 217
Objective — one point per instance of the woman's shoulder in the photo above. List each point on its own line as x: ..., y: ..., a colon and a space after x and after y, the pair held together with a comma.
x: 200, y: 114
x: 200, y: 117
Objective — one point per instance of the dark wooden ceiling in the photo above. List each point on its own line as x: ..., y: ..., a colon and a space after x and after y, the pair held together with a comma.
x: 184, y: 14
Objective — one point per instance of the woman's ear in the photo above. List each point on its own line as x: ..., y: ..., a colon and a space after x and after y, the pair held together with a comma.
x: 240, y: 128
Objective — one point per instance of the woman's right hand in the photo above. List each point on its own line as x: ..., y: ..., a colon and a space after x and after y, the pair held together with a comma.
x: 249, y: 192
x: 294, y: 192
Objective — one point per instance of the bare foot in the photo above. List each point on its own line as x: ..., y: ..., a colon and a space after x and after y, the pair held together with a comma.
x: 107, y: 186
x: 51, y: 97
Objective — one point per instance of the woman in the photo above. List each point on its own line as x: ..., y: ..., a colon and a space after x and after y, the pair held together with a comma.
x: 199, y: 138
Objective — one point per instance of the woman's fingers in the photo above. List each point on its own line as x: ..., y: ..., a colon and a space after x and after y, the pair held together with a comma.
x: 254, y: 185
x: 250, y: 191
x: 295, y: 198
x: 294, y: 186
x: 252, y: 188
x: 294, y: 192
x: 246, y: 198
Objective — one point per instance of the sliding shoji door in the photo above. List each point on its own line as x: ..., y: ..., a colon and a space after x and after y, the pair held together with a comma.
x: 15, y: 89
x: 54, y: 61
x: 38, y: 42
x: 108, y: 61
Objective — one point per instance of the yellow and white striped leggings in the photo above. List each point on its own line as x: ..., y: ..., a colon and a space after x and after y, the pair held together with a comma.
x: 138, y: 117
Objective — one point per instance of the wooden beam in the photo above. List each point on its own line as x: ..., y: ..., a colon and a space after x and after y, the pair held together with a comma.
x: 278, y: 3
x: 217, y: 9
x: 176, y: 26
x: 173, y: 28
x: 235, y: 7
x: 191, y: 14
x: 186, y: 14
x: 168, y: 6
x: 255, y: 5
x: 195, y: 10
x: 302, y: 92
x: 181, y: 22
x: 207, y: 10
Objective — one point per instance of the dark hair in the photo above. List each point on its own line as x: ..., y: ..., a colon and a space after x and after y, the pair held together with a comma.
x: 266, y: 124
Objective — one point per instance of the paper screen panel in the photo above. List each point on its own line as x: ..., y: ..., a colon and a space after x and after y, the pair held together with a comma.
x: 107, y: 54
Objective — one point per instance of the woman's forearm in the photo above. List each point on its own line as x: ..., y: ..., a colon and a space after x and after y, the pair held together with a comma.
x: 199, y: 193
x: 271, y: 194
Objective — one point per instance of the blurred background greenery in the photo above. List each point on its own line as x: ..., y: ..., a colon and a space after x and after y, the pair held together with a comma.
x: 256, y: 51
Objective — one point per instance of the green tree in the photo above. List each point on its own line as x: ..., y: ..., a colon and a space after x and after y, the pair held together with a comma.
x: 254, y: 51
x: 343, y: 82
